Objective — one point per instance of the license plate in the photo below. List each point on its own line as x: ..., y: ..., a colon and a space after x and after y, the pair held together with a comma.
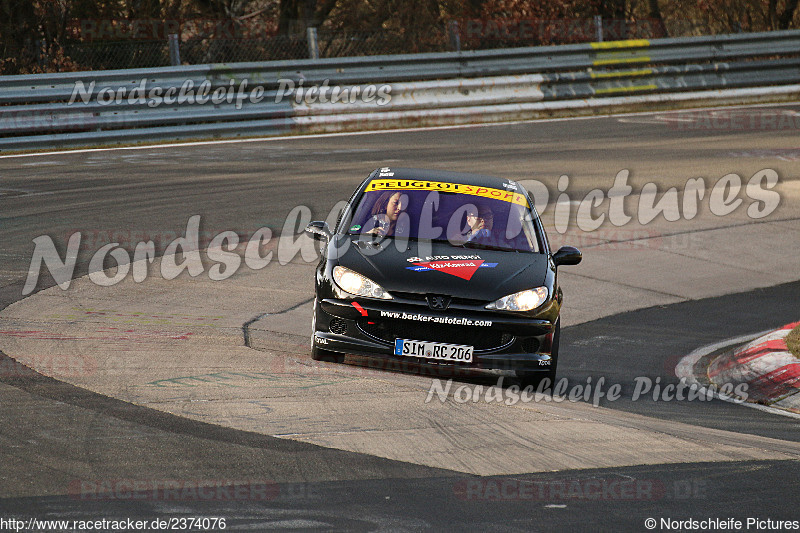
x: 433, y: 350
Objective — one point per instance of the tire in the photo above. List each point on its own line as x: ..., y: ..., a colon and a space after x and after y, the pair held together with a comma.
x: 533, y: 377
x: 320, y: 354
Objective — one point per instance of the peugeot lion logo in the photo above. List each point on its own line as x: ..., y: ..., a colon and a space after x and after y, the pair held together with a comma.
x: 438, y: 302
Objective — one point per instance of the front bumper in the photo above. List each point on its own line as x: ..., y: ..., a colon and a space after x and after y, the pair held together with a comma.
x: 369, y: 327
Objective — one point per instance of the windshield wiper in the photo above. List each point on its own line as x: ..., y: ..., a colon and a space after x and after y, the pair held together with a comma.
x: 482, y: 246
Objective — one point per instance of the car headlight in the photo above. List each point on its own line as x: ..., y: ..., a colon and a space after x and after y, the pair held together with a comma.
x: 355, y: 283
x: 521, y: 301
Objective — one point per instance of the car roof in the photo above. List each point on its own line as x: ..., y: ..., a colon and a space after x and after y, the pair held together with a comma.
x: 441, y: 175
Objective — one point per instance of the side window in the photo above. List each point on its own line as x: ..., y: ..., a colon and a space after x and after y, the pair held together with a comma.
x: 346, y: 214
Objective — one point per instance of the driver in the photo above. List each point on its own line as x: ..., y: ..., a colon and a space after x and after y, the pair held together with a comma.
x: 386, y: 211
x: 480, y: 220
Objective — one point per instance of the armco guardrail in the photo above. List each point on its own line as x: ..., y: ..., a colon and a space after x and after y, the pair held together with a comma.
x: 81, y: 108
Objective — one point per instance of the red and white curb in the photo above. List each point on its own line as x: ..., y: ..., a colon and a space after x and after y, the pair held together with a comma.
x: 764, y: 364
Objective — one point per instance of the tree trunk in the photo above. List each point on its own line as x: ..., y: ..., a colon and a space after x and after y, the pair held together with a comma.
x: 613, y: 13
x: 288, y: 15
x: 659, y: 28
x: 785, y: 18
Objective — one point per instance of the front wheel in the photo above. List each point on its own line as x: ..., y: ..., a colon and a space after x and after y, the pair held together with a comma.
x: 321, y: 354
x: 533, y: 377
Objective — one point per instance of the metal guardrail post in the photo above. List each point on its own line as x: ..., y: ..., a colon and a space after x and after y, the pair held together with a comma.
x: 174, y: 50
x: 455, y: 35
x: 598, y: 28
x: 313, y: 43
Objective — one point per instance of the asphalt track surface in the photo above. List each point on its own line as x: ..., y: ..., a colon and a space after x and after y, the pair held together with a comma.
x: 48, y: 427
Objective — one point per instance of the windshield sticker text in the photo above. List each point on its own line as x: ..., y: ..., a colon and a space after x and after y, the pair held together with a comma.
x: 473, y: 190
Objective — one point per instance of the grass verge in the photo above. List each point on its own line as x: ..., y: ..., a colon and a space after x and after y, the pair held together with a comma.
x: 793, y: 342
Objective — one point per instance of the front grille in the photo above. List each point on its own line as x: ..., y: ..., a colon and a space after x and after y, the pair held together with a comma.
x: 338, y: 326
x: 479, y: 338
x: 418, y: 297
x: 409, y: 295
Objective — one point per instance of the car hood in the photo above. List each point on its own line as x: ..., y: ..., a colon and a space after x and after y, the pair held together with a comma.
x: 440, y: 268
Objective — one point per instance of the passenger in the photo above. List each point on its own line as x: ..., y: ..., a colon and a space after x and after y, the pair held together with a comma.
x: 480, y: 222
x: 386, y: 211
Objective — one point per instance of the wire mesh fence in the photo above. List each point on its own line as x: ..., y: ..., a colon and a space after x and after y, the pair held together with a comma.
x: 362, y: 43
x: 200, y: 51
x: 118, y: 55
x: 454, y: 35
x: 105, y: 55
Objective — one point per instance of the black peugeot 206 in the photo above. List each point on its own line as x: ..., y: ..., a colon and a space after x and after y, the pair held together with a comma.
x: 440, y: 268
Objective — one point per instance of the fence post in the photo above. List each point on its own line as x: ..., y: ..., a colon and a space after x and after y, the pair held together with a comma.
x: 598, y: 27
x: 174, y: 50
x: 313, y: 44
x: 455, y: 35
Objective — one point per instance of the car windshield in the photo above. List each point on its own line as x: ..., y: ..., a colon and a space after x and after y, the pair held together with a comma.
x: 464, y: 215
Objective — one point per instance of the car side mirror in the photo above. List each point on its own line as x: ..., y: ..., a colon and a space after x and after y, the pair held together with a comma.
x: 319, y: 230
x: 567, y: 255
